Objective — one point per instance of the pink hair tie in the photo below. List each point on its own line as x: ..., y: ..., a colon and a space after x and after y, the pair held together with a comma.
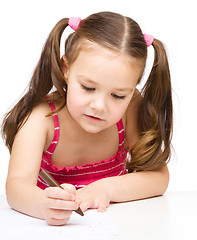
x: 148, y: 39
x: 74, y: 22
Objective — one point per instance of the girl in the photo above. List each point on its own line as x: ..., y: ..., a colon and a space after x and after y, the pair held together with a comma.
x: 83, y: 131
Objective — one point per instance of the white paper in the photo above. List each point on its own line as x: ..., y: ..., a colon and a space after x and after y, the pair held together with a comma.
x: 93, y: 225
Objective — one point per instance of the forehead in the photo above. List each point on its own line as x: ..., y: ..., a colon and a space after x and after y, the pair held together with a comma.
x: 98, y: 62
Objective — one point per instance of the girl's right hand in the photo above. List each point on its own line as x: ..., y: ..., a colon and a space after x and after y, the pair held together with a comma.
x: 57, y: 204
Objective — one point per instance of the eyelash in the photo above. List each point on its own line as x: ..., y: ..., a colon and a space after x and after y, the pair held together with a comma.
x: 118, y: 97
x: 87, y: 88
x: 114, y: 95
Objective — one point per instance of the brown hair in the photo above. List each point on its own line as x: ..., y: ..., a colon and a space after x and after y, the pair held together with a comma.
x: 121, y: 34
x: 155, y: 123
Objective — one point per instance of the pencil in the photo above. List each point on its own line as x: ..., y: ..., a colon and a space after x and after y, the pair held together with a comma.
x: 53, y: 183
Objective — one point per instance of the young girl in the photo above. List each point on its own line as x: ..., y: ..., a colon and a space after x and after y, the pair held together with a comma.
x: 83, y: 131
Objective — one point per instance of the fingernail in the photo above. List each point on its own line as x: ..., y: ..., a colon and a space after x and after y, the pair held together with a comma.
x: 101, y: 210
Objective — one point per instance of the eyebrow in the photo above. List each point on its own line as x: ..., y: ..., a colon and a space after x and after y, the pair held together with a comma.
x: 95, y: 83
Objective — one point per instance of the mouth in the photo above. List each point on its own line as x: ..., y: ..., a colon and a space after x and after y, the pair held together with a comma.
x: 94, y: 118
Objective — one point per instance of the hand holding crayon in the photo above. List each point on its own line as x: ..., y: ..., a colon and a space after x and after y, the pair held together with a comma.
x: 51, y: 196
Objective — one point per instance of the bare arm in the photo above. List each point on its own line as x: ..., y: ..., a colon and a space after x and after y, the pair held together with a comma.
x: 138, y: 185
x: 22, y: 192
x: 25, y: 159
x: 128, y: 187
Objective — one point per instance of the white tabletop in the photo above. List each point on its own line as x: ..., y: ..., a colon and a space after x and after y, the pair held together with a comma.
x: 172, y: 216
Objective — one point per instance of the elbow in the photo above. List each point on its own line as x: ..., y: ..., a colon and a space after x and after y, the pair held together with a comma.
x: 11, y: 192
x: 8, y: 193
x: 165, y: 177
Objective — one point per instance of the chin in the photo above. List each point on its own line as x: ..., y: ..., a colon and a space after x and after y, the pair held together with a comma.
x: 92, y: 129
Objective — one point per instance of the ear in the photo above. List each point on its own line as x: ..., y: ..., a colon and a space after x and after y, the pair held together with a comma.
x: 64, y: 66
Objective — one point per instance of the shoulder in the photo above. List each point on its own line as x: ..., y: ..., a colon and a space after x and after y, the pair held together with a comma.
x: 42, y: 111
x: 131, y: 129
x: 36, y: 121
x: 39, y: 113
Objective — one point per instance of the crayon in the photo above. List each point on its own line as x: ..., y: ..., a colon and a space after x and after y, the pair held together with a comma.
x: 53, y: 183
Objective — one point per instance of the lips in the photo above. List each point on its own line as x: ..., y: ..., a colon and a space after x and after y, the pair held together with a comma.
x: 93, y: 118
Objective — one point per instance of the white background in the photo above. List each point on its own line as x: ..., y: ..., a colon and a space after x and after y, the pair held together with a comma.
x: 25, y: 25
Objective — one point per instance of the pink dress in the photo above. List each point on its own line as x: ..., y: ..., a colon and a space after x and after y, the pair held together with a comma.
x: 81, y: 176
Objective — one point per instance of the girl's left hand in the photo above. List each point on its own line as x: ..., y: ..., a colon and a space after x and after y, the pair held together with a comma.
x: 95, y: 195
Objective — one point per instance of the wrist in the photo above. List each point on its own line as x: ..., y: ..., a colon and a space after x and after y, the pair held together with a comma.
x: 108, y: 187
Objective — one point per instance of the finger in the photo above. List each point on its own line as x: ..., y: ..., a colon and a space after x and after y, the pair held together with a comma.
x: 57, y: 222
x: 84, y: 206
x: 101, y: 208
x: 62, y: 204
x: 58, y: 214
x: 69, y: 187
x: 58, y: 193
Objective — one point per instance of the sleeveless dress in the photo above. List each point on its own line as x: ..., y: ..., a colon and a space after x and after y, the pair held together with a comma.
x: 81, y: 176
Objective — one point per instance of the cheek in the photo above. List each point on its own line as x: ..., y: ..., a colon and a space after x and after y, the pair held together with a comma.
x: 117, y: 111
x: 74, y: 100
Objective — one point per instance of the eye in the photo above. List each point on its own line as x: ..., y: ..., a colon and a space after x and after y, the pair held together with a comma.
x: 118, y: 96
x: 87, y: 88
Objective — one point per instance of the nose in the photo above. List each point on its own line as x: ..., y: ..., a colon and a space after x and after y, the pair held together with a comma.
x: 99, y: 103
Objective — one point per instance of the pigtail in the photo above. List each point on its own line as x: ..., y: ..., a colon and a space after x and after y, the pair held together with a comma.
x: 152, y: 151
x: 46, y: 75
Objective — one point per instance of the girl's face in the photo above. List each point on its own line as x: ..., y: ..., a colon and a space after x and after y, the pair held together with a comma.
x: 101, y: 84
